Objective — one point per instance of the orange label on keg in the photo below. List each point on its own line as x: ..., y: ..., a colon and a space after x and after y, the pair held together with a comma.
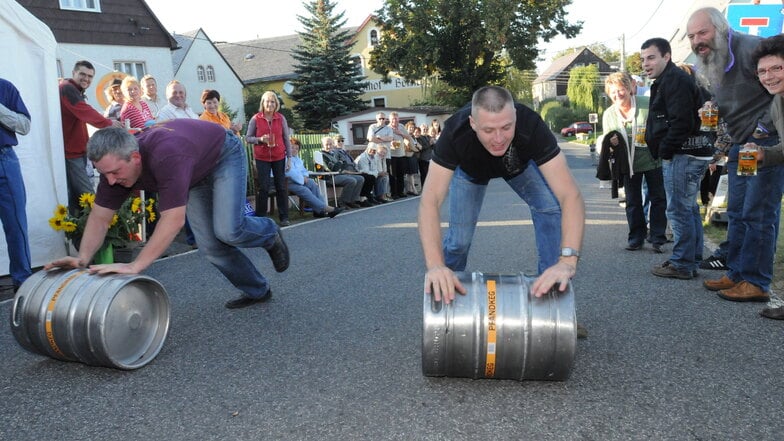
x: 491, y: 330
x: 50, y: 312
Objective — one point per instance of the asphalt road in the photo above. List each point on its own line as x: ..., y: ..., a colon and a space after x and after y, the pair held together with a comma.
x: 336, y: 353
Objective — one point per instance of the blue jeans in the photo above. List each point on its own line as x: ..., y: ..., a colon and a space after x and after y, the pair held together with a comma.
x: 635, y: 211
x: 12, y: 213
x: 682, y: 177
x: 754, y: 209
x: 309, y: 192
x: 215, y: 211
x: 465, y: 200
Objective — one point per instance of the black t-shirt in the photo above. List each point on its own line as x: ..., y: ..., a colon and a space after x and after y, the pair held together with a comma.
x: 458, y: 146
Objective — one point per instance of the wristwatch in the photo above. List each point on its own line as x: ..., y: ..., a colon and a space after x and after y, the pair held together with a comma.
x: 569, y: 252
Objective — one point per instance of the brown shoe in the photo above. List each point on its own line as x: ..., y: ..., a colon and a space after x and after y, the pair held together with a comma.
x: 744, y: 292
x: 719, y: 284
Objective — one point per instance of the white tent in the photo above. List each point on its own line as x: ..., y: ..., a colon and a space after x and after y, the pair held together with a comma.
x: 30, y: 63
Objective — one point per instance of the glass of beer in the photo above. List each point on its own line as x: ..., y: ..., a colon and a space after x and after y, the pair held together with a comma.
x: 747, y: 160
x: 639, y: 137
x: 395, y: 145
x: 709, y: 118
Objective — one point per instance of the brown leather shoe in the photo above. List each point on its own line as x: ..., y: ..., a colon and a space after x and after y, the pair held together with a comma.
x: 744, y: 292
x: 719, y: 284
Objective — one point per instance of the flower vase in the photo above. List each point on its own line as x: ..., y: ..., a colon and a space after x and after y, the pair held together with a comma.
x: 105, y: 254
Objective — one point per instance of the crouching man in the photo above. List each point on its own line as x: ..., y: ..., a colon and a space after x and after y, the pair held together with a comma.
x: 191, y: 164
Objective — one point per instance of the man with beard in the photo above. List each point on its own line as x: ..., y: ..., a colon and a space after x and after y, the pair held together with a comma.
x: 754, y: 205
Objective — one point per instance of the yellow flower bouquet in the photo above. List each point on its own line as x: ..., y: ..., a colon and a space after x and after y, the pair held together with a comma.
x: 123, y: 229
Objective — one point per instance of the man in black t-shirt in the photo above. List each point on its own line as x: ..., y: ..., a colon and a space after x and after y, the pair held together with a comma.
x: 494, y: 137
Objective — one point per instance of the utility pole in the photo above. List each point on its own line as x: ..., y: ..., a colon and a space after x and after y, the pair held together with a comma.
x: 623, y: 52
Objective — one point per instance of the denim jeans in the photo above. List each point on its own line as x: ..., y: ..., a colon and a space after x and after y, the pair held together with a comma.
x: 309, y: 192
x: 635, y: 212
x: 215, y: 211
x: 12, y: 213
x: 682, y: 176
x: 278, y: 169
x: 78, y: 181
x: 465, y: 200
x: 754, y: 210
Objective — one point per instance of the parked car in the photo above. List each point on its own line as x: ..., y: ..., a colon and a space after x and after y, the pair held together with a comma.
x: 577, y: 127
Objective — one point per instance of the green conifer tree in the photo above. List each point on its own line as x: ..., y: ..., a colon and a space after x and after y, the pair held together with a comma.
x: 328, y: 83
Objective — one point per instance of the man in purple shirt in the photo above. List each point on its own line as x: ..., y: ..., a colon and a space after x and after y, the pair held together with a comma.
x: 189, y: 163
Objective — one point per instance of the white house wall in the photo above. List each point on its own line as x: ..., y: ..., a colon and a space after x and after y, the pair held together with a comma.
x: 202, y: 53
x: 157, y: 61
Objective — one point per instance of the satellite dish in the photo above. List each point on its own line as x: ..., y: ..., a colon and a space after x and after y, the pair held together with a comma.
x: 288, y: 87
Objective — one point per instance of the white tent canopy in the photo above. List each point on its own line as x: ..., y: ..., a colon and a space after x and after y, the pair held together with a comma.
x: 30, y: 63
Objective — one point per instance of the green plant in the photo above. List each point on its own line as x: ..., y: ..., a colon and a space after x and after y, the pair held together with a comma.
x: 123, y: 228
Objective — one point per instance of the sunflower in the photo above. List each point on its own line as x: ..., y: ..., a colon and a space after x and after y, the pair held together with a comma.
x: 86, y: 200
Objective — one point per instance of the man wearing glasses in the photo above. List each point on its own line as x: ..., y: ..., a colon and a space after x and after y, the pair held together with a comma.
x: 724, y: 59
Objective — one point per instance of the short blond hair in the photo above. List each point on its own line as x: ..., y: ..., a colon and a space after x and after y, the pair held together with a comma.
x: 622, y: 79
x: 126, y: 83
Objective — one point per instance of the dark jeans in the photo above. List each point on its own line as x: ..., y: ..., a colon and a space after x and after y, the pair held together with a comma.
x: 423, y: 167
x: 367, y: 187
x: 281, y: 195
x: 398, y: 172
x: 635, y: 214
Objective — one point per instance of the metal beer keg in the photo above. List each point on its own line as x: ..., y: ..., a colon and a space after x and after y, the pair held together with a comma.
x: 117, y: 321
x: 500, y: 330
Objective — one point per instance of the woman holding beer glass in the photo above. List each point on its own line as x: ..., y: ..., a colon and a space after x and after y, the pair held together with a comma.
x: 268, y: 131
x: 628, y: 114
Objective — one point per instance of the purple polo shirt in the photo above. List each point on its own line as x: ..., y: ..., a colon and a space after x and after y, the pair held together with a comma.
x: 176, y: 154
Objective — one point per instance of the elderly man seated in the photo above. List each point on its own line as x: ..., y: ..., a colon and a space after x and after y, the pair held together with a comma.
x: 300, y: 183
x: 348, y: 178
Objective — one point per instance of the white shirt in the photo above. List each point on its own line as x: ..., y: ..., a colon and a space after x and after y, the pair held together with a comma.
x: 170, y: 111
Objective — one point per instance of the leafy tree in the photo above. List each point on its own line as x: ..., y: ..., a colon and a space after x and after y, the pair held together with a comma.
x: 520, y: 83
x: 583, y: 89
x: 557, y: 117
x: 327, y: 84
x: 634, y: 64
x: 462, y: 40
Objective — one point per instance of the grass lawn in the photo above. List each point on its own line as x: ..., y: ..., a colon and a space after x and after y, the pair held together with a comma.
x: 718, y: 232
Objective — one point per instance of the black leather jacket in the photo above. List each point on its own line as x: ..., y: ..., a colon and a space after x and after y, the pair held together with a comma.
x: 673, y: 117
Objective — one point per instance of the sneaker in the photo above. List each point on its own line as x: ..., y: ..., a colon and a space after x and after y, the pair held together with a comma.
x: 245, y: 301
x: 335, y: 212
x: 285, y: 223
x: 657, y: 248
x: 714, y: 263
x: 669, y: 271
x: 279, y: 253
x: 719, y: 284
x: 773, y: 313
x: 633, y: 246
x: 744, y: 292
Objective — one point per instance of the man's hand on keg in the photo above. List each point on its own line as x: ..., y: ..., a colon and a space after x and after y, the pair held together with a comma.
x: 558, y: 274
x: 442, y: 283
x: 65, y: 263
x: 114, y: 268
